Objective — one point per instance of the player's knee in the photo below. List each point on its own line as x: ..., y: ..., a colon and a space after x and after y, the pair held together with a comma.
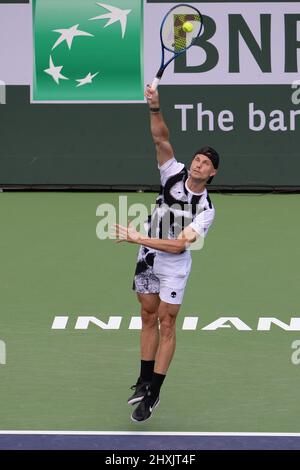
x: 149, y: 318
x: 167, y: 326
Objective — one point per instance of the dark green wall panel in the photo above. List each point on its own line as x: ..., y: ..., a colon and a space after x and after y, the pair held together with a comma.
x: 110, y: 144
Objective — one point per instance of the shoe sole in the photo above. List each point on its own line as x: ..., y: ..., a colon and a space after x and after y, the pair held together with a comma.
x: 133, y: 401
x: 142, y: 421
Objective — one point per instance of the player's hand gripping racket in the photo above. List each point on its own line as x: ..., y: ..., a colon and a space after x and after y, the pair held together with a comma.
x: 181, y: 26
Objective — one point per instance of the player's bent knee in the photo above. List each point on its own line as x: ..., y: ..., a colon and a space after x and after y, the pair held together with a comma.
x: 149, y: 318
x: 166, y: 311
x: 167, y: 329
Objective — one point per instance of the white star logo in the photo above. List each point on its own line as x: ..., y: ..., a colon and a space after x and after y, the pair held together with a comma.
x: 87, y: 79
x: 68, y: 35
x: 116, y: 14
x: 55, y: 71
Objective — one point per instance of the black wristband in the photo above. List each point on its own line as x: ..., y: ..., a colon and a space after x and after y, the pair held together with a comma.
x: 155, y: 110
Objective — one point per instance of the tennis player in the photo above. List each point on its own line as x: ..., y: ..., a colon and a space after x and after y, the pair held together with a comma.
x: 183, y: 214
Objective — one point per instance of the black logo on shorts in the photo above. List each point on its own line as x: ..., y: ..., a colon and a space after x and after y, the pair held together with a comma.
x: 173, y: 295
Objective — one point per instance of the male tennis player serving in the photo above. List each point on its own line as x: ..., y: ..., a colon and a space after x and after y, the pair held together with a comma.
x: 183, y: 213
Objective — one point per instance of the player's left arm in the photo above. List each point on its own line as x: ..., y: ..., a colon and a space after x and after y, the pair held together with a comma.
x: 176, y: 246
x: 198, y: 228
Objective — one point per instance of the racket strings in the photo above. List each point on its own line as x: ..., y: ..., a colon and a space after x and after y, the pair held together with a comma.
x: 182, y: 39
x: 174, y: 37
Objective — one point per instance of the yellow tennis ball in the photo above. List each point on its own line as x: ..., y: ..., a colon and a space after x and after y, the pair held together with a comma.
x: 187, y: 27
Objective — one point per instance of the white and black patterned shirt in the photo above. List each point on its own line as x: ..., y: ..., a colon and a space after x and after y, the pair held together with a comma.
x: 177, y: 207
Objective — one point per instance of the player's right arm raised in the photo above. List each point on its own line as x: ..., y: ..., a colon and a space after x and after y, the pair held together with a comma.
x: 159, y: 130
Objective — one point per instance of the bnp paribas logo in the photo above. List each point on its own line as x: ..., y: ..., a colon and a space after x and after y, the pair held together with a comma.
x: 88, y: 51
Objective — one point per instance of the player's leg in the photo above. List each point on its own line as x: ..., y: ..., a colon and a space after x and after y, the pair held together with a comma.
x: 167, y: 317
x: 148, y: 343
x: 146, y: 286
x: 150, y: 332
x: 167, y: 313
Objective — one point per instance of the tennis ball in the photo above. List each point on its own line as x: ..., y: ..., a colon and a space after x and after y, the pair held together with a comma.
x: 187, y: 27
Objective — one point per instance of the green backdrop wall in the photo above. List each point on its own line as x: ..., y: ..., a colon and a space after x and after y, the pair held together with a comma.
x: 240, y: 97
x: 111, y: 144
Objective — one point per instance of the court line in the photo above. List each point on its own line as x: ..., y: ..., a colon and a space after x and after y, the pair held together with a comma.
x: 150, y: 433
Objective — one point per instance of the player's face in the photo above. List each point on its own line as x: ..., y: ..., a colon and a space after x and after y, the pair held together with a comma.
x: 202, y: 168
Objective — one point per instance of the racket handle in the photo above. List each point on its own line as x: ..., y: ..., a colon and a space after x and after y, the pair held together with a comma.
x: 155, y: 83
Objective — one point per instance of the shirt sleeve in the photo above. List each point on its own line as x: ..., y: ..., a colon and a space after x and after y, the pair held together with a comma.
x: 168, y: 169
x: 203, y: 221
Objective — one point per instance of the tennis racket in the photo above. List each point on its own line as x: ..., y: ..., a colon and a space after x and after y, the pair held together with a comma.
x: 173, y: 38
